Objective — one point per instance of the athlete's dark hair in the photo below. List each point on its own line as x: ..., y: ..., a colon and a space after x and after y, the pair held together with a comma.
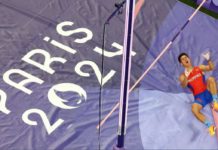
x: 180, y: 55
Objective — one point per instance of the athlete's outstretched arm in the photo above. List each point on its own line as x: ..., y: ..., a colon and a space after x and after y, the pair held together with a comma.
x: 208, y: 67
x: 183, y: 80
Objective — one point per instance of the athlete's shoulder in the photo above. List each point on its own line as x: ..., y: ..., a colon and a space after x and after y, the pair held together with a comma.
x: 182, y: 76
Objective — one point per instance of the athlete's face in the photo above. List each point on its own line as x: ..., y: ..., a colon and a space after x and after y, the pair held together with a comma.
x: 185, y: 61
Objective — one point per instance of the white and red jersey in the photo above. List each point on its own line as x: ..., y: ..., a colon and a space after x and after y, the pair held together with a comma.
x: 196, y: 81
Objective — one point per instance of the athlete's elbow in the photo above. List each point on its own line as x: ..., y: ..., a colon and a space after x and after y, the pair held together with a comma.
x: 212, y: 67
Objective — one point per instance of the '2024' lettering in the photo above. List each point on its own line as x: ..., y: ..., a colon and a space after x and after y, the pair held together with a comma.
x: 53, y: 98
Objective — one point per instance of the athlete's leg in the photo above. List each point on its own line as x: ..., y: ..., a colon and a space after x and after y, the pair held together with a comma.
x: 196, y: 110
x: 211, y: 86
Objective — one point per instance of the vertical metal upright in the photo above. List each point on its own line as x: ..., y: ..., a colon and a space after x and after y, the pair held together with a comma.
x: 126, y: 68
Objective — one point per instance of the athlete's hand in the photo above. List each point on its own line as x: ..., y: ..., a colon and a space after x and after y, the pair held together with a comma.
x: 206, y: 55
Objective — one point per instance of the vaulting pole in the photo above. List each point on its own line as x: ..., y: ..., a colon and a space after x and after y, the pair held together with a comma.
x: 126, y: 68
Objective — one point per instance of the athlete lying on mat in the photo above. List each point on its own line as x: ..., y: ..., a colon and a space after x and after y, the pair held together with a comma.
x: 205, y: 92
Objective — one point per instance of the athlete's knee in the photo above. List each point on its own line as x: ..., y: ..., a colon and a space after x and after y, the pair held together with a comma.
x: 195, y: 111
x: 211, y: 80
